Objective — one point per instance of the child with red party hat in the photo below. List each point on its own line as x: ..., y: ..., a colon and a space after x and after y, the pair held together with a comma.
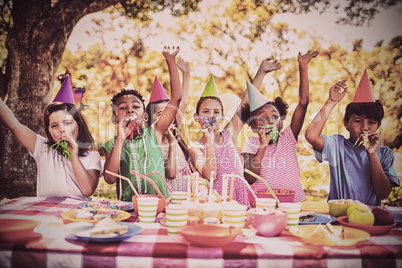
x: 174, y: 148
x: 67, y: 165
x: 360, y: 168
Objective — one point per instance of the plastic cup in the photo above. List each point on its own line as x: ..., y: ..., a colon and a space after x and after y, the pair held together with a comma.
x: 176, y: 217
x: 234, y: 215
x: 178, y: 197
x: 147, y: 206
x: 293, y: 211
x: 266, y: 203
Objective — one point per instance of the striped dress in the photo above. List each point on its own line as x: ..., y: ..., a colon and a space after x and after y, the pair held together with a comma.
x: 280, y: 166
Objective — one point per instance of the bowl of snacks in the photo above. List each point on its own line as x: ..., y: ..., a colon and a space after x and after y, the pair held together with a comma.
x: 282, y: 194
x: 339, y: 207
x: 267, y: 222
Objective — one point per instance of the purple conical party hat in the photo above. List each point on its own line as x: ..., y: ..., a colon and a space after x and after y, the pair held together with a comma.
x: 65, y: 93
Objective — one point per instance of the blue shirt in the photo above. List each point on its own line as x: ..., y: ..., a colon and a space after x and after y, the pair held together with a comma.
x: 350, y: 169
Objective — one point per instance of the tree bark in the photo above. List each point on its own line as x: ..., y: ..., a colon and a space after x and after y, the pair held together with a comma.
x: 35, y: 46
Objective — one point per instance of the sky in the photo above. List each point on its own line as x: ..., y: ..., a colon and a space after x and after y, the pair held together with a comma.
x: 385, y: 26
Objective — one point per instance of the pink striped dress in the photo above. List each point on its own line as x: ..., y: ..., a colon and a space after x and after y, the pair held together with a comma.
x: 280, y: 166
x: 228, y: 161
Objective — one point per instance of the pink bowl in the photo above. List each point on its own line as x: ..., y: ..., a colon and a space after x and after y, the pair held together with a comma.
x: 261, y: 193
x: 268, y: 225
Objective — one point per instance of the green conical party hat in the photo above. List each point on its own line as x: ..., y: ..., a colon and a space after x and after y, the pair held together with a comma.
x: 210, y: 89
x: 256, y: 98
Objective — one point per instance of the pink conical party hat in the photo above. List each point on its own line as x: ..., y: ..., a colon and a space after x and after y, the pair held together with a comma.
x: 65, y: 93
x: 157, y: 91
x: 364, y: 92
x: 256, y: 98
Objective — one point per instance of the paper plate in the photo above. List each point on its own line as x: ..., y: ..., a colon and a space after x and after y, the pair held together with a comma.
x: 81, y: 233
x: 371, y: 229
x: 319, y: 219
x: 69, y: 215
x: 352, y: 236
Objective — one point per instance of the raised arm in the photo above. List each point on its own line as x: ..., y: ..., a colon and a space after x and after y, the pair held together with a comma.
x: 23, y: 134
x: 184, y: 67
x: 235, y: 125
x: 313, y: 132
x: 304, y: 89
x: 171, y: 108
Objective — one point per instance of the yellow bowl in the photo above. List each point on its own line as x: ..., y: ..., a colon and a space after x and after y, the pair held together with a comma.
x: 209, y: 235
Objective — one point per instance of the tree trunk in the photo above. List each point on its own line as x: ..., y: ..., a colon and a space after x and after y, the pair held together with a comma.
x: 35, y: 46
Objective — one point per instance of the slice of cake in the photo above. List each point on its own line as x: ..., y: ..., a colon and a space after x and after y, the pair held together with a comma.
x: 306, y: 216
x: 108, y: 226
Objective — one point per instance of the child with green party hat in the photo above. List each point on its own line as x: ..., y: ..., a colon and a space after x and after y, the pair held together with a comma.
x: 272, y: 155
x: 360, y: 168
x: 67, y: 164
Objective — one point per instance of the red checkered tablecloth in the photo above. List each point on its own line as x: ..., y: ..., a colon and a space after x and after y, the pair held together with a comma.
x: 52, y: 246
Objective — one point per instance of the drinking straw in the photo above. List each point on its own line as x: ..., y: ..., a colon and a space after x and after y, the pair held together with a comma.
x: 193, y: 179
x: 152, y: 182
x: 266, y: 184
x: 123, y: 178
x: 231, y: 188
x: 247, y: 184
x: 164, y: 181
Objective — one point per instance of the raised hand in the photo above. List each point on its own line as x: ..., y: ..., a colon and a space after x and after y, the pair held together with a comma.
x: 183, y: 65
x: 338, y: 91
x: 373, y: 142
x: 304, y: 59
x: 170, y: 52
x: 268, y: 66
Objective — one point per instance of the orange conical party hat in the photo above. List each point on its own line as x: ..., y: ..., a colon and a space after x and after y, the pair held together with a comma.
x: 157, y: 91
x: 364, y: 92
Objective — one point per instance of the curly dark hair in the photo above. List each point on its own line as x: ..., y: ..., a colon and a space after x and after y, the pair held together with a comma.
x: 124, y: 92
x: 248, y: 117
x: 370, y: 110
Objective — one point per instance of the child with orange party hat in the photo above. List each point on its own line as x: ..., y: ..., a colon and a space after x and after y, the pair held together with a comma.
x: 360, y: 168
x: 135, y: 148
x: 67, y: 165
x: 174, y: 149
x: 272, y: 154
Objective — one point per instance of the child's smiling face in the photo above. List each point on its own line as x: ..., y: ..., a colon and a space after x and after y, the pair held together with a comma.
x: 61, y: 122
x: 130, y: 107
x: 210, y: 108
x: 267, y: 115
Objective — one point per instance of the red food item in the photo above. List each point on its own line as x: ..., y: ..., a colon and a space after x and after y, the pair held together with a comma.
x: 382, y: 216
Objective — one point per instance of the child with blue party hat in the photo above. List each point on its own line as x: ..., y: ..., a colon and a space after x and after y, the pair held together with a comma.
x: 67, y: 164
x: 272, y: 154
x: 360, y: 168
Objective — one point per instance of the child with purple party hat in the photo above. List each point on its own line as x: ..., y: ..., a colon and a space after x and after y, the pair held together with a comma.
x: 67, y: 165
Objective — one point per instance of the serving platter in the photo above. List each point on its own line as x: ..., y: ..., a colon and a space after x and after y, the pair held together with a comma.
x: 320, y: 219
x: 371, y: 229
x: 70, y: 216
x: 85, y: 205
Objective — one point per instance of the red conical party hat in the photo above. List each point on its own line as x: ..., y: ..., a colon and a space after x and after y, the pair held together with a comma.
x: 157, y: 91
x: 364, y: 92
x: 65, y: 93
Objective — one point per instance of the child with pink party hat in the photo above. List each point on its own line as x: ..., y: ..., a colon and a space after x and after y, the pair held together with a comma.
x: 174, y: 148
x: 67, y: 165
x: 272, y: 154
x: 360, y: 168
x: 136, y: 148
